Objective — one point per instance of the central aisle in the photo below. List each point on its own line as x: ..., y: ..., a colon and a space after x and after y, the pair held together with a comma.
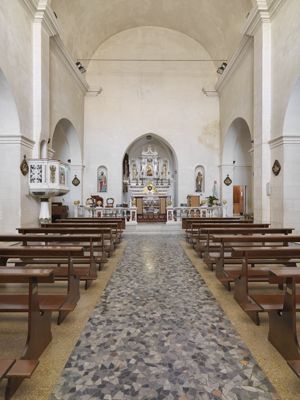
x: 158, y: 333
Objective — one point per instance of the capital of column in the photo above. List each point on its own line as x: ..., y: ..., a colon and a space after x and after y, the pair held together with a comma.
x: 43, y: 14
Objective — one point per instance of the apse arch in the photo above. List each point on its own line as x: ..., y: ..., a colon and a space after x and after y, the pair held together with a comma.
x: 65, y: 142
x: 291, y: 124
x: 237, y: 164
x: 166, y: 155
x: 9, y: 116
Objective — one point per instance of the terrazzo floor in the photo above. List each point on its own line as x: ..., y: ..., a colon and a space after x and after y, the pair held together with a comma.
x: 158, y: 333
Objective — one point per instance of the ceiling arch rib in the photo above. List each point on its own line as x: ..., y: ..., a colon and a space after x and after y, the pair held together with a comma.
x: 216, y: 24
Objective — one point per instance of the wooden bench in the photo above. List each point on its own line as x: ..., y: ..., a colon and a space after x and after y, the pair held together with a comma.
x: 203, y: 247
x: 38, y: 326
x: 75, y: 231
x: 121, y: 221
x: 63, y: 302
x: 186, y: 221
x: 111, y: 238
x: 255, y: 303
x: 224, y: 257
x: 283, y: 324
x: 193, y: 235
x: 85, y: 267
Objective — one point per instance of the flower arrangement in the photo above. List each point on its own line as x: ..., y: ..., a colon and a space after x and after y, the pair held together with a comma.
x: 212, y: 200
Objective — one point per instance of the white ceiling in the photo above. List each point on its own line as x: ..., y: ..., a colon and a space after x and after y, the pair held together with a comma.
x: 216, y: 24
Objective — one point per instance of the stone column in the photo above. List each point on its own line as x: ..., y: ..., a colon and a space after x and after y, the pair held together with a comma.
x: 44, y: 26
x: 14, y: 186
x: 260, y: 29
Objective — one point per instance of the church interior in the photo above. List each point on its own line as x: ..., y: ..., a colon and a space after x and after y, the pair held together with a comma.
x: 149, y: 208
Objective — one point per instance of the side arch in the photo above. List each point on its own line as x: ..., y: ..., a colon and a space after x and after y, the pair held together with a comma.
x: 237, y: 164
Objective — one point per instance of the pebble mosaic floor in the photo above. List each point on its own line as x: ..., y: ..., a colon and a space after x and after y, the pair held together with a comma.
x: 158, y: 333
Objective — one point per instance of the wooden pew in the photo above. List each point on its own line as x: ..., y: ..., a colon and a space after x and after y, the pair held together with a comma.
x: 111, y: 239
x: 74, y: 231
x: 186, y: 221
x: 194, y: 234
x: 64, y: 302
x: 38, y: 325
x: 119, y: 220
x: 283, y: 325
x: 86, y: 273
x: 209, y: 231
x: 224, y: 257
x: 255, y: 303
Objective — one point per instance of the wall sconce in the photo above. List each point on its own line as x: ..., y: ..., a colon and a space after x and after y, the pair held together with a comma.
x: 80, y: 67
x: 221, y: 69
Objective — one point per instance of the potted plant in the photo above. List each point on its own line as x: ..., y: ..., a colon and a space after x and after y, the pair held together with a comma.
x: 211, y: 201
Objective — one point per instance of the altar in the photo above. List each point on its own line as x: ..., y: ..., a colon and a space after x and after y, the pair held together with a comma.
x: 151, y: 208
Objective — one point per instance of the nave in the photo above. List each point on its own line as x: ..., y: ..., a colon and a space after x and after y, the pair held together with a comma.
x: 158, y: 333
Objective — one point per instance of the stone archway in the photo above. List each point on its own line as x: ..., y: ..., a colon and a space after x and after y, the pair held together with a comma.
x: 13, y: 147
x: 237, y: 165
x: 285, y: 187
x: 66, y: 147
x: 150, y: 161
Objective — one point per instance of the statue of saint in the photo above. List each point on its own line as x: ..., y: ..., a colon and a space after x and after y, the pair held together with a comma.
x: 134, y: 172
x: 199, y: 182
x: 102, y: 182
x: 149, y: 170
x: 164, y: 170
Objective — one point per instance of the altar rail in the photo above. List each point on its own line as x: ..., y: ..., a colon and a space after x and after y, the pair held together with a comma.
x: 175, y: 214
x: 129, y: 214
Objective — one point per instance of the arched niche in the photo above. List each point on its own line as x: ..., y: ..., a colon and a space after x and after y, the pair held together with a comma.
x: 65, y: 142
x: 237, y: 165
x: 199, y: 179
x: 9, y: 117
x: 102, y: 179
x: 162, y: 172
x: 11, y: 155
x: 66, y: 147
x: 292, y: 117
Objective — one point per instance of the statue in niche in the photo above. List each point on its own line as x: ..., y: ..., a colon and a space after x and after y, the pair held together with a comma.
x: 102, y: 182
x: 149, y: 169
x: 199, y: 182
x: 164, y: 170
x: 134, y: 172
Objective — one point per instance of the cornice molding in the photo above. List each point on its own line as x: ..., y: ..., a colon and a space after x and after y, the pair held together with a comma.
x: 42, y: 13
x: 262, y: 13
x: 232, y: 63
x: 17, y: 139
x: 283, y: 140
x: 70, y: 63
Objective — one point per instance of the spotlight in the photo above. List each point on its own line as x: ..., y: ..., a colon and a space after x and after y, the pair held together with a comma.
x: 80, y: 67
x: 221, y: 69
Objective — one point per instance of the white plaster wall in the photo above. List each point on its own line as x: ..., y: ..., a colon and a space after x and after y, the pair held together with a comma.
x: 16, y: 58
x: 236, y: 92
x: 285, y: 60
x: 66, y: 97
x: 285, y: 187
x: 16, y: 207
x: 164, y: 98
